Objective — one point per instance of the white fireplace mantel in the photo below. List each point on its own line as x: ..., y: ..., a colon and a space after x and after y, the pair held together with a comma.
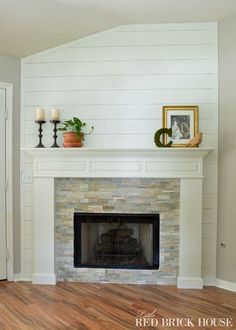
x: 88, y: 162
x: 183, y: 163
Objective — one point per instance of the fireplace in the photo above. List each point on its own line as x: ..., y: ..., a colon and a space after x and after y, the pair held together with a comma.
x: 116, y: 240
x: 55, y: 204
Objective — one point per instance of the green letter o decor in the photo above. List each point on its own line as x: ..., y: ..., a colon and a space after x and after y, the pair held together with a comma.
x: 157, y: 137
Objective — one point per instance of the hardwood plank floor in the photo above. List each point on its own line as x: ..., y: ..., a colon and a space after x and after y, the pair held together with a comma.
x: 110, y: 306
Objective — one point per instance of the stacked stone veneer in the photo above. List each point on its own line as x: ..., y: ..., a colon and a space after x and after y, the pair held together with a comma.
x: 117, y: 195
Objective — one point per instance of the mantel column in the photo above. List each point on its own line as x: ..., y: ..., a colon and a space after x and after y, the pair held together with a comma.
x: 190, y: 248
x: 44, y: 256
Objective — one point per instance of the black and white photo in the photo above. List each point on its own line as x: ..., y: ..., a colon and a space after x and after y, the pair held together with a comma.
x: 184, y: 123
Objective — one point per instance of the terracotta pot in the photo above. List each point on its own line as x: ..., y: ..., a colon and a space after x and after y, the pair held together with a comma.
x: 72, y: 140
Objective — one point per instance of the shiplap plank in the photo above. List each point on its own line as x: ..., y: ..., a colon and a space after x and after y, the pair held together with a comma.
x: 207, y: 229
x: 28, y: 187
x: 28, y: 227
x: 120, y: 97
x: 155, y: 37
x: 28, y: 268
x: 208, y: 245
x: 104, y: 112
x: 28, y: 199
x: 127, y: 53
x: 208, y: 185
x: 28, y: 254
x: 208, y: 200
x: 208, y: 216
x: 28, y: 213
x: 28, y: 242
x: 142, y: 67
x: 118, y: 82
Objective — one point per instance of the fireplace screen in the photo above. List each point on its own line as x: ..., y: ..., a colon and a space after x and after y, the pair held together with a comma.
x: 111, y: 240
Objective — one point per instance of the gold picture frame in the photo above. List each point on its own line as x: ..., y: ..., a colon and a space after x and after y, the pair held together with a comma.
x: 184, y: 123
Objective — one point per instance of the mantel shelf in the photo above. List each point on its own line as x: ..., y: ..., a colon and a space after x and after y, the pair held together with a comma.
x: 92, y: 152
x: 118, y: 163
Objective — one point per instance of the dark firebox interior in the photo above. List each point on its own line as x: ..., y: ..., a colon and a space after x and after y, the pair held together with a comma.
x: 116, y: 240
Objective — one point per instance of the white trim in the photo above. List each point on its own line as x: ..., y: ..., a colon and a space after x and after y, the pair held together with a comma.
x: 185, y: 164
x: 22, y: 161
x: 209, y: 281
x: 181, y: 282
x: 189, y: 283
x: 17, y: 277
x: 9, y: 177
x: 89, y: 162
x: 20, y: 277
x: 226, y: 285
x: 48, y: 279
x: 26, y: 278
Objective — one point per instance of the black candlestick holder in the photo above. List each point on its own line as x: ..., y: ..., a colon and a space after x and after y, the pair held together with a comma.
x: 40, y: 135
x: 55, y: 123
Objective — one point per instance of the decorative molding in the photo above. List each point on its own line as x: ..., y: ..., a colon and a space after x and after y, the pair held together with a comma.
x: 89, y: 162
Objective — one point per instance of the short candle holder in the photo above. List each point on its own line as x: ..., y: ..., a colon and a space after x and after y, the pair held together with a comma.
x: 40, y: 135
x: 55, y: 123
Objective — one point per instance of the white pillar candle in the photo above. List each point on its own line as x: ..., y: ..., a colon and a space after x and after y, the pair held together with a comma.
x: 40, y: 114
x: 55, y: 114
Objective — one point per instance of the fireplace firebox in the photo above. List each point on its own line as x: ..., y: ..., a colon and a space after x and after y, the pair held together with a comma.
x: 116, y: 240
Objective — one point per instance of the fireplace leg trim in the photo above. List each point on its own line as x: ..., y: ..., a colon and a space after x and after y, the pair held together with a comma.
x: 44, y: 248
x: 190, y: 245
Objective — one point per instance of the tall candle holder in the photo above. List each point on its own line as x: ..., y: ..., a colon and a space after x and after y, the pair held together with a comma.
x: 40, y: 135
x: 55, y: 123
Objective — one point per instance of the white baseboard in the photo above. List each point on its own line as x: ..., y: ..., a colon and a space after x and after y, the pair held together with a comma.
x: 182, y: 283
x: 47, y: 279
x: 189, y: 283
x: 226, y: 285
x: 17, y: 277
x: 22, y: 277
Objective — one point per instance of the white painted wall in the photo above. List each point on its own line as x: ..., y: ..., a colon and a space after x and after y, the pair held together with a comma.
x: 118, y: 81
x: 226, y: 261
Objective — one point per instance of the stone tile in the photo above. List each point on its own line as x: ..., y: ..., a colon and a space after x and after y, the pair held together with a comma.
x: 117, y: 195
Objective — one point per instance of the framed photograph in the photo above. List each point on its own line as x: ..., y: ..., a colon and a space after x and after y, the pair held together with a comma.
x: 184, y: 123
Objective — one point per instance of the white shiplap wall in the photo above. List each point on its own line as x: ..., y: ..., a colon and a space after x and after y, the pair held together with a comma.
x: 118, y: 81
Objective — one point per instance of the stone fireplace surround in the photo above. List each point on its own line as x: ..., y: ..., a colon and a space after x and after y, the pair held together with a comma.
x: 117, y: 195
x: 181, y: 163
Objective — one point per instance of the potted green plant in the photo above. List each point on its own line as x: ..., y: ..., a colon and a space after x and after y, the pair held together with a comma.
x: 73, y: 132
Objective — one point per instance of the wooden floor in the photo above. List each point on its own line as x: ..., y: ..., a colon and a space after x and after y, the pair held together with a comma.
x: 108, y: 306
